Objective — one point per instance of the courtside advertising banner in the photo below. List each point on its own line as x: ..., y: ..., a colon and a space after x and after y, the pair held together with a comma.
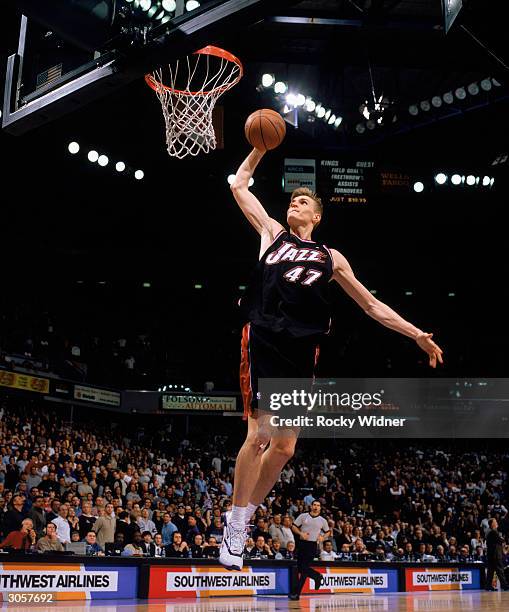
x: 214, y: 581
x: 442, y: 579
x: 354, y: 580
x: 46, y: 583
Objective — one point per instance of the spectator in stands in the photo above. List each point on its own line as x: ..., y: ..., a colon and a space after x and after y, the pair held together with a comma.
x: 327, y: 553
x: 276, y: 549
x: 15, y: 515
x: 197, y: 547
x: 211, y: 548
x: 54, y: 512
x: 115, y: 548
x: 168, y: 529
x: 178, y: 548
x: 93, y: 547
x: 289, y: 551
x: 145, y: 524
x: 38, y: 515
x: 147, y: 544
x: 105, y: 526
x: 159, y: 548
x: 135, y: 549
x: 180, y: 519
x: 261, y: 550
x: 50, y: 541
x: 62, y: 524
x: 23, y: 538
x: 216, y: 530
x: 86, y: 519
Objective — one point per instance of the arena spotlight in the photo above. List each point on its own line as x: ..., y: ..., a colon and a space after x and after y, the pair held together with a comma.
x: 413, y: 110
x: 93, y: 156
x: 495, y: 82
x: 455, y: 179
x: 145, y: 5
x: 280, y: 87
x: 103, y: 160
x: 470, y: 180
x: 191, y: 5
x: 409, y: 292
x: 486, y: 181
x: 332, y: 118
x: 230, y: 179
x: 169, y: 5
x: 448, y: 98
x: 425, y: 106
x: 139, y: 174
x: 361, y: 128
x: 418, y: 187
x: 473, y: 89
x: 371, y: 125
x: 268, y: 79
x: 338, y: 122
x: 327, y: 114
x: 73, y: 148
x: 320, y: 112
x: 291, y: 99
x: 146, y: 285
x: 441, y: 178
x: 460, y: 93
x: 250, y: 182
x: 310, y: 105
x: 486, y: 84
x: 301, y: 99
x: 492, y: 182
x: 120, y: 166
x: 436, y: 101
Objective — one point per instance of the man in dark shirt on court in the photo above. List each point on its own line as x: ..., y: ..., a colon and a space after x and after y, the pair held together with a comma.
x: 495, y: 557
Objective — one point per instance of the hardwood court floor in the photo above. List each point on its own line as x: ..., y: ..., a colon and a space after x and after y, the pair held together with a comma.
x: 451, y: 601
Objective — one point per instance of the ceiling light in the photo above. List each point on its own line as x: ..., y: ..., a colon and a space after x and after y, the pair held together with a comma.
x: 268, y: 79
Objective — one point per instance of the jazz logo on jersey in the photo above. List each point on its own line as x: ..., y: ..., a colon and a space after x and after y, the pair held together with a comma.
x: 288, y: 252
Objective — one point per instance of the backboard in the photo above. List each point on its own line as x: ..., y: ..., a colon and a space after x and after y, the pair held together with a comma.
x: 56, y: 70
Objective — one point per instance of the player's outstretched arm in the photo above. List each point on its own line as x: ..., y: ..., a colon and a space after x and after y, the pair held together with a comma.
x: 343, y: 274
x: 249, y: 203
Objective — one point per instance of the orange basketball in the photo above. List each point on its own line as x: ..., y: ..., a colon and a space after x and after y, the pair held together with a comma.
x: 265, y: 129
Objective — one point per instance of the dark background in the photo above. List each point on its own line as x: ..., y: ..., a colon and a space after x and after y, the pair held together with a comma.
x: 64, y: 219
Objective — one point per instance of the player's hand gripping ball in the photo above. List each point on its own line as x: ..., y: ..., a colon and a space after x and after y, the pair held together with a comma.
x: 265, y: 129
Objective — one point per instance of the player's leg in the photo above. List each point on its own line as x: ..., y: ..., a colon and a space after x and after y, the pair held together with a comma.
x: 247, y: 469
x: 273, y: 460
x: 249, y: 461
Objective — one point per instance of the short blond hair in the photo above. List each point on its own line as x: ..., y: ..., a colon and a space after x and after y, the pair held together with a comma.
x: 305, y: 191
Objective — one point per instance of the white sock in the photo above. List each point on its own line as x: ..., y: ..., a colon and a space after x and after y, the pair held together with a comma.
x: 249, y: 511
x: 237, y: 517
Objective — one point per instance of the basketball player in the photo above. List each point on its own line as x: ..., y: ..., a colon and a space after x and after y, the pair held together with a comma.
x: 287, y: 307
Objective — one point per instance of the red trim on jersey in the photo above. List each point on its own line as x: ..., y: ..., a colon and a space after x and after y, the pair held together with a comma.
x: 317, y: 354
x: 245, y: 372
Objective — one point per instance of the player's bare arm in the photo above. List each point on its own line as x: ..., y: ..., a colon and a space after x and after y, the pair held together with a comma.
x: 344, y: 276
x: 250, y: 205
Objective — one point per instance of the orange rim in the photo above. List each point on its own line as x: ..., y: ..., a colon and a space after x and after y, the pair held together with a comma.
x: 208, y: 50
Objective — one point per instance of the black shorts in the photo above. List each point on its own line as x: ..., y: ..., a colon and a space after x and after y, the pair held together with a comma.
x: 268, y: 354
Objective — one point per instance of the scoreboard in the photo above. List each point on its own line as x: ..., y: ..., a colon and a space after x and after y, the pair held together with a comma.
x: 346, y: 181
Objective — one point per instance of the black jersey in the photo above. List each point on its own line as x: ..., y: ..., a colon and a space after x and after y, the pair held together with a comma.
x: 290, y: 287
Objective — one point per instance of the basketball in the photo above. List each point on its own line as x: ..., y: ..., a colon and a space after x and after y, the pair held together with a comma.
x: 265, y: 129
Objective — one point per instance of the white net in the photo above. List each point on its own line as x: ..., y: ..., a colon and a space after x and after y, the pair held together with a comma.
x: 194, y: 86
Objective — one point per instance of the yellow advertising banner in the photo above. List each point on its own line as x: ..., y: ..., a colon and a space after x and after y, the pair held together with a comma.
x: 24, y: 382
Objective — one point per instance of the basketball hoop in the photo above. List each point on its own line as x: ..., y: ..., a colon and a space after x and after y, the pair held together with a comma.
x: 188, y: 101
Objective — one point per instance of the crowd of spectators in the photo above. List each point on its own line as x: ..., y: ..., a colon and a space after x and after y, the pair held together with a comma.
x: 122, y: 491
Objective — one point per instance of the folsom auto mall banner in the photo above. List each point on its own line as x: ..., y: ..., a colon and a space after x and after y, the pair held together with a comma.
x: 212, y: 581
x: 442, y: 579
x: 38, y: 583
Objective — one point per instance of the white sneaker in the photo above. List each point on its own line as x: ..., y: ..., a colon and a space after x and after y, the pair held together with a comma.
x: 232, y: 547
